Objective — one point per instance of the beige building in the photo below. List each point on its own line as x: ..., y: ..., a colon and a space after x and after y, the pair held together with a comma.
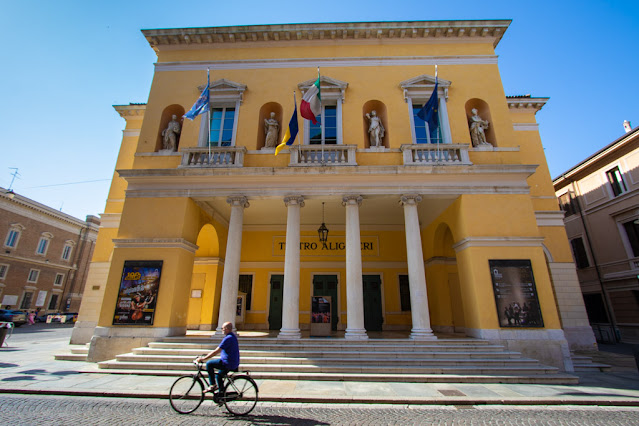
x: 600, y: 197
x: 45, y: 255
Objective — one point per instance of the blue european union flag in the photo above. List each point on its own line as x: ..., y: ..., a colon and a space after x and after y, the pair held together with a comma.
x: 201, y: 105
x: 429, y: 114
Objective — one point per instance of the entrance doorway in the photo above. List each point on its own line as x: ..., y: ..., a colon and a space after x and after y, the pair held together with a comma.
x: 326, y: 285
x: 275, y: 305
x: 373, y: 318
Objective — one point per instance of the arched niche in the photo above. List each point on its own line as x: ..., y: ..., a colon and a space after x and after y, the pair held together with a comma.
x: 208, y: 242
x: 265, y: 113
x: 483, y: 111
x: 380, y: 109
x: 169, y: 111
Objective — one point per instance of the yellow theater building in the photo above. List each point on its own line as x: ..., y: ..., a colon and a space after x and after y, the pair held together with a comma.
x: 425, y: 227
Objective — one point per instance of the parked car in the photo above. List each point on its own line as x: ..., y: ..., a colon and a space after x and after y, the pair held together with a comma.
x: 17, y: 317
x: 65, y: 317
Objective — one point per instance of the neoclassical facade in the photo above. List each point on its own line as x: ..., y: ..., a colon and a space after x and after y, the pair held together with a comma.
x: 444, y: 226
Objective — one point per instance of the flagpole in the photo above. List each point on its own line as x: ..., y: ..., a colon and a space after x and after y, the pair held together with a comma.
x: 438, y: 130
x: 208, y: 117
x: 319, y: 92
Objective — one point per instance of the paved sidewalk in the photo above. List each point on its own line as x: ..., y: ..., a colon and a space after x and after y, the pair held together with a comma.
x: 27, y: 366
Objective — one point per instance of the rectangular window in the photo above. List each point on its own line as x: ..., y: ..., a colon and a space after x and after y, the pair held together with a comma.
x: 568, y: 204
x: 246, y: 286
x: 58, y: 279
x: 42, y: 246
x: 579, y: 253
x: 616, y: 181
x: 325, y: 131
x: 53, y: 303
x: 12, y: 238
x: 632, y: 230
x: 33, y: 276
x: 26, y: 300
x: 222, y: 120
x: 404, y: 292
x: 66, y: 252
x: 3, y: 271
x: 423, y: 133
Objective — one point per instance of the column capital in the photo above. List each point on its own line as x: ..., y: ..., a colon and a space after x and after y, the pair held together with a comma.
x: 410, y: 199
x: 352, y: 199
x: 238, y: 200
x: 293, y: 200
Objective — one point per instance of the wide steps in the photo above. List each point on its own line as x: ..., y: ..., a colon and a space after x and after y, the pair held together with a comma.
x: 76, y: 353
x: 404, y: 360
x: 192, y: 353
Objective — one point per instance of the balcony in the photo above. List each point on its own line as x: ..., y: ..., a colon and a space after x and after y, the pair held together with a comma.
x: 435, y: 154
x: 326, y: 155
x: 219, y: 157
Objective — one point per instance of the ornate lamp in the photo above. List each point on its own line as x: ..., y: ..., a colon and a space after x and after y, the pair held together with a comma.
x: 322, y: 232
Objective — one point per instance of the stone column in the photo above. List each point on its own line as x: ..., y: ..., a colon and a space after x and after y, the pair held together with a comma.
x: 231, y: 277
x: 291, y: 295
x: 416, y: 275
x: 354, y: 286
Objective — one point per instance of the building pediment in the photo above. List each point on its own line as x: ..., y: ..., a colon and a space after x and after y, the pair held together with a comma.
x: 331, y: 88
x: 225, y: 90
x: 422, y: 87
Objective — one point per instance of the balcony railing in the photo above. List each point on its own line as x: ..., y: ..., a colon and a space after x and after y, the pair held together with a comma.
x: 328, y: 155
x: 435, y: 154
x: 227, y: 156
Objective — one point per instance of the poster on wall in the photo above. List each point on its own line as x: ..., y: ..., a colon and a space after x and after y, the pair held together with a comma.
x: 515, y: 293
x: 138, y: 292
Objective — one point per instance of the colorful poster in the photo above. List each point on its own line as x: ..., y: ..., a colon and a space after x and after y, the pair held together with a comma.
x: 320, y: 310
x: 515, y: 293
x: 138, y: 293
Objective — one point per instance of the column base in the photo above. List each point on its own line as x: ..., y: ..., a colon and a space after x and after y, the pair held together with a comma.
x: 358, y: 334
x: 422, y: 335
x: 289, y: 334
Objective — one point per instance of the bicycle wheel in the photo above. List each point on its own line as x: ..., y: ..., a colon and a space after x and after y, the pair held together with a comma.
x: 240, y: 395
x: 186, y: 394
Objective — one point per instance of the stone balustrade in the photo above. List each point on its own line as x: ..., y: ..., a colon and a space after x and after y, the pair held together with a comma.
x: 328, y: 155
x: 223, y: 157
x: 431, y: 154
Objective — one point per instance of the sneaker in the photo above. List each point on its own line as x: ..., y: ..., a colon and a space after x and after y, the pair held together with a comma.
x: 211, y: 389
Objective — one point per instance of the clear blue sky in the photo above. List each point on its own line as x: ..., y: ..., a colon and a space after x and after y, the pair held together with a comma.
x: 65, y: 63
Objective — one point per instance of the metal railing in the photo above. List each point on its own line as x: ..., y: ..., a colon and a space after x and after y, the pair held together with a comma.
x: 326, y: 155
x: 227, y: 156
x: 431, y: 154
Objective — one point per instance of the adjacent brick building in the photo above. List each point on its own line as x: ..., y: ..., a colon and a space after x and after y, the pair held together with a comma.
x: 44, y: 255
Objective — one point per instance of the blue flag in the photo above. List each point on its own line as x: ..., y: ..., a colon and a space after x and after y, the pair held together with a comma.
x: 201, y: 105
x: 429, y: 114
x: 291, y: 132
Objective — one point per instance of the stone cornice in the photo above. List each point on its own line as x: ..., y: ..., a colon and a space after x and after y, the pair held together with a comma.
x: 194, y: 38
x: 525, y: 103
x: 131, y: 110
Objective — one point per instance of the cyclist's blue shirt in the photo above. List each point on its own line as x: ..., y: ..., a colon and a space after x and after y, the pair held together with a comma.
x: 230, y: 352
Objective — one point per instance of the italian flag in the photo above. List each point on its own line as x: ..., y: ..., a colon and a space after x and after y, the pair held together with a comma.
x: 311, y: 105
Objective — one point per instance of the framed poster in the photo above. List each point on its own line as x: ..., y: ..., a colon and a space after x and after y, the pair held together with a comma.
x: 515, y: 293
x: 321, y: 315
x: 138, y: 292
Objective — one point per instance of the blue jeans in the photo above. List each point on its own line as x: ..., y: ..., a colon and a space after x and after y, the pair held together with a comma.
x: 216, y: 364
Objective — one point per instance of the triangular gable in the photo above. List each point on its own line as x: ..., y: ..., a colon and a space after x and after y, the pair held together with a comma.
x: 225, y: 90
x: 331, y: 88
x: 422, y: 81
x: 421, y: 87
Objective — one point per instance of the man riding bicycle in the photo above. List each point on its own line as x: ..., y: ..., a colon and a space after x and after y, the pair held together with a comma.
x: 229, y: 360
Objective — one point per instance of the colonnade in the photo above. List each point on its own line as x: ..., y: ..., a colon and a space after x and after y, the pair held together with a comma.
x: 421, y: 329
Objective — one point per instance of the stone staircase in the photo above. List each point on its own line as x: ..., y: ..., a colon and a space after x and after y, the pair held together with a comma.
x: 76, y: 353
x: 584, y: 363
x: 457, y: 360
